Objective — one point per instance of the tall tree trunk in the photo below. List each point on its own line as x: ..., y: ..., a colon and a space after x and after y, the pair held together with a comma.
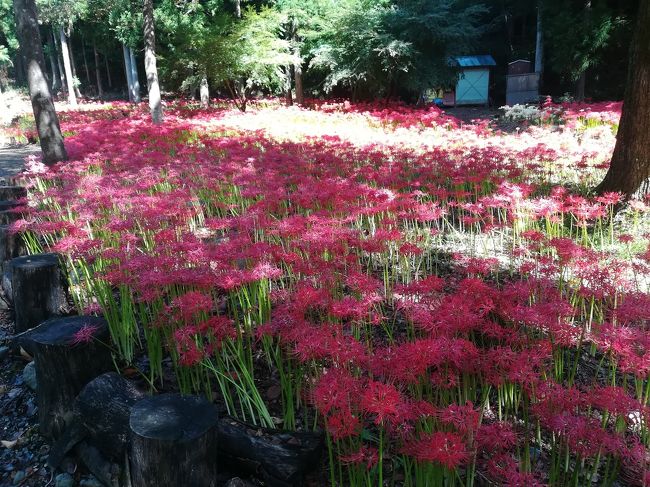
x: 98, y: 75
x: 55, y: 81
x: 108, y: 72
x: 83, y: 54
x: 128, y: 71
x: 238, y: 9
x: 297, y: 67
x: 150, y: 69
x: 300, y: 96
x: 582, y: 79
x: 204, y: 92
x: 72, y: 99
x: 47, y: 123
x: 73, y: 64
x: 58, y: 61
x: 287, y: 92
x: 580, y: 86
x: 629, y: 168
x: 19, y: 69
x: 135, y: 77
x: 539, y: 42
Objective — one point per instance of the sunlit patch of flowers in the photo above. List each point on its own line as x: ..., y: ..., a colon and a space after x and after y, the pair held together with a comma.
x: 427, y: 293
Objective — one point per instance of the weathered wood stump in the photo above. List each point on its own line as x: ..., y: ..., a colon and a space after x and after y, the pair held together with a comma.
x: 279, y: 458
x: 38, y: 289
x: 173, y: 442
x: 68, y: 353
x: 12, y: 192
x: 11, y: 244
x: 7, y: 217
x: 101, y: 415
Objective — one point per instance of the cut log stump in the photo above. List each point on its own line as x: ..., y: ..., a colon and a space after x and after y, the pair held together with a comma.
x: 11, y: 244
x: 173, y: 442
x: 37, y: 288
x: 12, y: 192
x: 68, y: 353
x: 279, y: 458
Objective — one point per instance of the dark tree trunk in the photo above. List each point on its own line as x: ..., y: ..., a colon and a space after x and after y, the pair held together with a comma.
x: 108, y: 73
x: 629, y: 168
x: 155, y: 106
x: 65, y: 363
x: 300, y: 96
x: 58, y: 62
x: 19, y: 68
x: 174, y: 441
x: 37, y: 289
x: 98, y: 75
x: 72, y: 99
x: 55, y: 81
x: 83, y: 54
x: 47, y: 123
x: 580, y: 86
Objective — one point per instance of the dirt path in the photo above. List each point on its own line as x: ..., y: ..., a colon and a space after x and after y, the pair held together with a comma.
x: 12, y: 159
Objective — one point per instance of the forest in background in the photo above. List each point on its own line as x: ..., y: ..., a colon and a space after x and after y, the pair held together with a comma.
x: 361, y: 49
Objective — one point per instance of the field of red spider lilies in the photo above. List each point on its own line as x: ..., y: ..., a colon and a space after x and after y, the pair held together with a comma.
x: 441, y: 298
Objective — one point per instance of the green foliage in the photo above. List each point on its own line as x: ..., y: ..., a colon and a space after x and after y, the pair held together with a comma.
x: 577, y: 33
x: 62, y: 12
x: 379, y: 45
x: 249, y: 54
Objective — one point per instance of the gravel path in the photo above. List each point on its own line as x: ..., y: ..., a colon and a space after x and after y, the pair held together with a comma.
x: 12, y: 159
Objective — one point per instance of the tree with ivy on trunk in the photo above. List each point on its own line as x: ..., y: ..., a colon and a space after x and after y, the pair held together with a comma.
x: 150, y: 63
x: 47, y: 123
x: 629, y: 168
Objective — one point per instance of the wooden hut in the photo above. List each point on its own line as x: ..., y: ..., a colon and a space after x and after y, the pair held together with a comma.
x: 522, y: 85
x: 472, y: 87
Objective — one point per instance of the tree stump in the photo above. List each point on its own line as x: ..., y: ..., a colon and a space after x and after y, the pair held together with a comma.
x: 12, y: 192
x: 37, y: 288
x: 7, y: 217
x: 11, y: 244
x: 68, y: 353
x: 174, y: 442
x: 279, y: 458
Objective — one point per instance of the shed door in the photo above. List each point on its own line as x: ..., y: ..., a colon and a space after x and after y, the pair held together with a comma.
x: 472, y: 87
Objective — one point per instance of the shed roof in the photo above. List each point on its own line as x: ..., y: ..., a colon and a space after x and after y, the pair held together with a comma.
x: 475, y: 61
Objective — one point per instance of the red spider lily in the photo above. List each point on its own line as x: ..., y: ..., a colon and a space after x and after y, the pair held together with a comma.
x: 381, y: 401
x: 446, y: 449
x: 85, y: 334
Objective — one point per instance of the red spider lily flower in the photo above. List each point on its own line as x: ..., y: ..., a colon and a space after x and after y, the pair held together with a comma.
x: 446, y: 449
x: 367, y: 456
x: 381, y: 401
x: 85, y: 334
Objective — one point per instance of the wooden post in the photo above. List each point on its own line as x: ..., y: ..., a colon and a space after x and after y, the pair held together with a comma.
x: 37, y: 289
x: 174, y: 441
x: 69, y: 353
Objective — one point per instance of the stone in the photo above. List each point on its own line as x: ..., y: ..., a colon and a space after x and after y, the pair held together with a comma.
x: 19, y: 477
x: 29, y: 375
x: 64, y: 480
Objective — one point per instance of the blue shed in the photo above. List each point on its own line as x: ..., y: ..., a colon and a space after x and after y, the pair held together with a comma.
x: 472, y: 87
